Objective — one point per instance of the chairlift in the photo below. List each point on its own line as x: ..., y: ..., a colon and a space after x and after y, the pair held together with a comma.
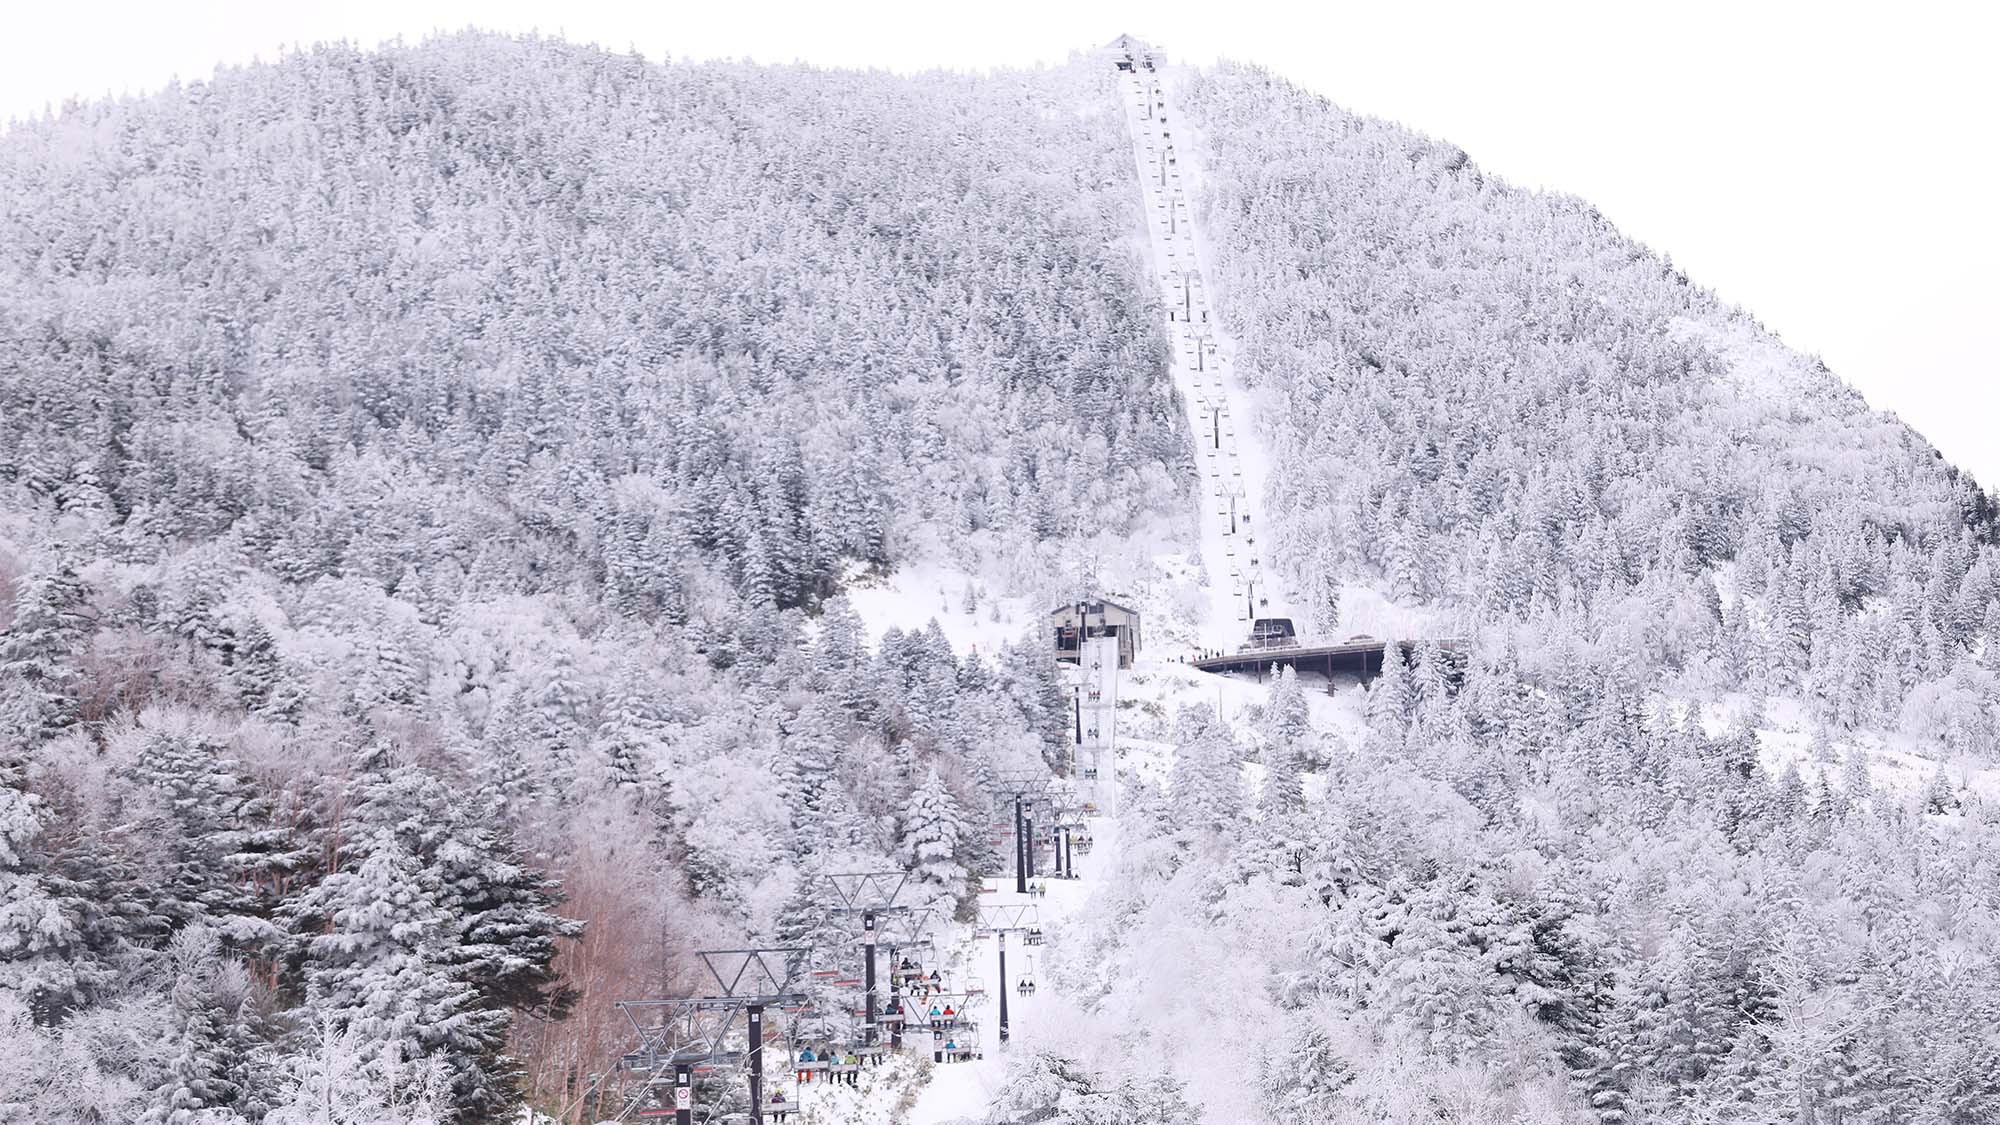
x: 780, y: 1104
x: 1026, y: 987
x: 1034, y: 936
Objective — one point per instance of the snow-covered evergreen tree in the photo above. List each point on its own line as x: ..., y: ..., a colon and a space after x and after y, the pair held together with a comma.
x: 932, y: 827
x: 38, y: 652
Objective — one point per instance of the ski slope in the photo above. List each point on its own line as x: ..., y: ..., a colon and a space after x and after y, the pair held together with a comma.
x: 962, y: 1091
x: 1232, y: 476
x: 1230, y: 462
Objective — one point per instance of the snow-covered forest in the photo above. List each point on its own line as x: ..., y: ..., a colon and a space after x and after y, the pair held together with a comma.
x: 437, y: 484
x: 1594, y: 880
x: 419, y: 467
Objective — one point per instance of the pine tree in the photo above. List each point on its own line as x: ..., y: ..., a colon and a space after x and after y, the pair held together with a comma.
x: 932, y: 827
x: 253, y: 669
x: 500, y: 927
x: 214, y: 833
x: 1206, y: 782
x: 38, y: 676
x: 199, y: 1090
x: 1390, y: 695
x: 1287, y: 719
x: 41, y: 935
x: 382, y: 970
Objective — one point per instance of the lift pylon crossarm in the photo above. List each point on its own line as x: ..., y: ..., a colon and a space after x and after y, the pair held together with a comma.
x: 998, y: 918
x: 910, y: 928
x: 868, y: 892
x: 1013, y: 783
x: 692, y: 1030
x: 738, y: 970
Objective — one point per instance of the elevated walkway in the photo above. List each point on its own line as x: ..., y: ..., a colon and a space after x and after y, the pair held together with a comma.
x: 1361, y: 658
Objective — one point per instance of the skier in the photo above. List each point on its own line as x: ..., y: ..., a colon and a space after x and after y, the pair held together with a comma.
x: 777, y: 1099
x: 806, y: 1056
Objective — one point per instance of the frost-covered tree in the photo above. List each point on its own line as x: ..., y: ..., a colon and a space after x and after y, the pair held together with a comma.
x: 202, y: 1089
x: 382, y: 971
x: 41, y: 936
x: 932, y: 827
x: 39, y: 682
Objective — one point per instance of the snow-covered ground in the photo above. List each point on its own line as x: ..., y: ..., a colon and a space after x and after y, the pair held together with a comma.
x: 962, y: 1091
x: 1231, y: 462
x: 1224, y: 568
x: 913, y: 594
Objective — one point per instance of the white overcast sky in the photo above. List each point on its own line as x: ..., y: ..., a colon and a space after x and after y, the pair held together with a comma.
x: 1830, y: 167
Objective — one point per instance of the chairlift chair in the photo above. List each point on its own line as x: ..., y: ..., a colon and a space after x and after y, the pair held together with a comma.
x: 1026, y: 987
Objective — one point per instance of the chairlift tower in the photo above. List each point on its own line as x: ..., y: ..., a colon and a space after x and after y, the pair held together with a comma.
x: 1023, y: 788
x: 1000, y: 921
x: 903, y: 930
x: 1217, y: 405
x: 679, y: 1035
x: 1066, y: 810
x: 871, y: 895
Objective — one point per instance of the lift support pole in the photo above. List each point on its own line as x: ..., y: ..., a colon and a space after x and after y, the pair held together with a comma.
x: 868, y: 950
x: 1003, y: 986
x: 1028, y: 842
x: 755, y: 1015
x: 1020, y: 851
x: 683, y: 1094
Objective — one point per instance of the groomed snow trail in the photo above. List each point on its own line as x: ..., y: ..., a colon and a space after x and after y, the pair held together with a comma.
x: 960, y: 1091
x: 1232, y: 467
x: 1232, y: 473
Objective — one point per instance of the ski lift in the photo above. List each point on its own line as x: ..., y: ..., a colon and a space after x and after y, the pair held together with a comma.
x: 1026, y: 987
x: 1034, y: 936
x: 974, y: 986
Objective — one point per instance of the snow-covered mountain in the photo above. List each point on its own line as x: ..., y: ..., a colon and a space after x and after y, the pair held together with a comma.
x: 482, y: 521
